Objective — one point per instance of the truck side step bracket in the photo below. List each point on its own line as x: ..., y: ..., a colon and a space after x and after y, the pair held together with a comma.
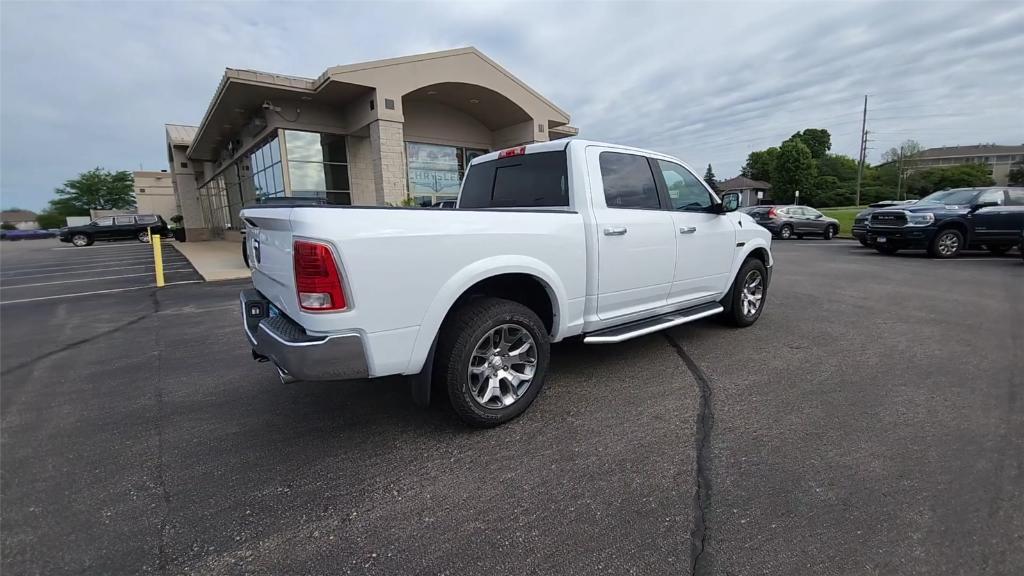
x: 639, y: 328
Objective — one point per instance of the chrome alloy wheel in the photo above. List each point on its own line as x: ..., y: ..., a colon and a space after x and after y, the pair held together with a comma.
x: 80, y: 240
x: 502, y: 366
x: 753, y: 293
x: 948, y: 244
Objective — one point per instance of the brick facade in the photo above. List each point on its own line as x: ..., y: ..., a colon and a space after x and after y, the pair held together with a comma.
x: 387, y: 146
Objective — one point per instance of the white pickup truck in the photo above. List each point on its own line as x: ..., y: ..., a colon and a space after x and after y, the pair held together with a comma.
x: 548, y: 241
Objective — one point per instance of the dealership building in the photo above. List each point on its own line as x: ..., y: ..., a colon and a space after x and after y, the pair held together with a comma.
x: 389, y: 132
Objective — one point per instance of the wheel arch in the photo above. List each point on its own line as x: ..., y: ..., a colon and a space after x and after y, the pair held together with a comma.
x: 525, y: 280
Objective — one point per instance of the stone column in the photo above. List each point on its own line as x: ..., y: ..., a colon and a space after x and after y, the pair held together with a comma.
x: 387, y: 147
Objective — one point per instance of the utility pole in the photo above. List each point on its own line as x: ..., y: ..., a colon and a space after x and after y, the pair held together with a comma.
x: 863, y: 146
x: 899, y: 172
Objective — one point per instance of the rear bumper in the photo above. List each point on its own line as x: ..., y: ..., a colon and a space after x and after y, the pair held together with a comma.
x: 297, y: 354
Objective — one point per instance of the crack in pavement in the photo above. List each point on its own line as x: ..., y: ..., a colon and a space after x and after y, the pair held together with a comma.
x: 702, y: 440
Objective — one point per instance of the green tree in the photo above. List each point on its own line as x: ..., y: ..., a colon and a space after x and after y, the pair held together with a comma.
x: 759, y: 164
x: 709, y: 177
x: 49, y: 220
x: 842, y: 168
x: 8, y: 226
x: 1017, y: 173
x: 792, y: 170
x: 98, y: 189
x: 817, y: 140
x: 908, y: 149
x: 924, y: 182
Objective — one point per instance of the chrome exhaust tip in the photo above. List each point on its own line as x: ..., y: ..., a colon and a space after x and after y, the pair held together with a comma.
x: 286, y: 378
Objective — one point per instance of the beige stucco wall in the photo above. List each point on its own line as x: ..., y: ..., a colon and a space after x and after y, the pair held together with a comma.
x: 154, y: 194
x: 360, y: 171
x: 387, y: 147
x: 187, y: 194
x: 435, y: 123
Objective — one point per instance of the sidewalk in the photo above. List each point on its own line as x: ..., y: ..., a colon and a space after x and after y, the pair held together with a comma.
x: 215, y: 259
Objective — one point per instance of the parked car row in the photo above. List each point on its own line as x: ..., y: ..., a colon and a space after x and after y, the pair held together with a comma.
x: 947, y: 222
x: 15, y: 235
x: 111, y: 228
x: 787, y: 222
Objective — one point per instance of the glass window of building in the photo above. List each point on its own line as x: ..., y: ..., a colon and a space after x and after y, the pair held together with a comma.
x: 435, y: 172
x: 318, y: 166
x: 265, y: 165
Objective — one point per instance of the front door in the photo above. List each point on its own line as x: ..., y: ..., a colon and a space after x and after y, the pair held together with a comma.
x: 705, y: 239
x: 103, y: 228
x: 635, y: 236
x: 124, y: 227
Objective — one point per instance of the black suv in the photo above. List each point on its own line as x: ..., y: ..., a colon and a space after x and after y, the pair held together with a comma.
x: 120, y: 227
x: 948, y: 222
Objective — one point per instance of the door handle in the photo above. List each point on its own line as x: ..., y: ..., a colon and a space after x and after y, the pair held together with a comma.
x: 687, y: 229
x: 615, y: 231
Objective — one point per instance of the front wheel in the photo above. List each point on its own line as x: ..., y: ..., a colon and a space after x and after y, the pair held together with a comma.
x: 81, y: 240
x: 493, y: 354
x: 830, y: 232
x: 748, y: 294
x: 946, y: 244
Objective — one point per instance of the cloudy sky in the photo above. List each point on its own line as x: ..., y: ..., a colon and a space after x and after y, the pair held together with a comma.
x: 91, y: 84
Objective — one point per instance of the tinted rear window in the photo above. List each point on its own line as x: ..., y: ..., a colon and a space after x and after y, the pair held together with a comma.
x: 526, y: 181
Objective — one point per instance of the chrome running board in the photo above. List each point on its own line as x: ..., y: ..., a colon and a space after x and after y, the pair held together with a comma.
x: 646, y: 326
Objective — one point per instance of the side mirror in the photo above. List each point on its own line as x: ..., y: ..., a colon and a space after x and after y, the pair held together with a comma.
x: 730, y: 201
x: 981, y: 205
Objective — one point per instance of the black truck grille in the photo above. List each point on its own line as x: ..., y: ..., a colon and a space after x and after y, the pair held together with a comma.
x: 888, y: 219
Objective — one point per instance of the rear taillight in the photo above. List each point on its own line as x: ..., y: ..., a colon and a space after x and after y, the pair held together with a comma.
x: 317, y: 279
x: 772, y: 213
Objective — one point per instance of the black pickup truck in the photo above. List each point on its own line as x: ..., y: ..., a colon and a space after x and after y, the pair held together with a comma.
x: 948, y: 222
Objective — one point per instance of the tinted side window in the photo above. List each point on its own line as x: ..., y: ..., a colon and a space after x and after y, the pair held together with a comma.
x: 105, y: 221
x: 684, y: 190
x: 526, y: 181
x: 149, y: 219
x: 990, y: 196
x: 628, y: 181
x: 1016, y: 198
x: 122, y: 220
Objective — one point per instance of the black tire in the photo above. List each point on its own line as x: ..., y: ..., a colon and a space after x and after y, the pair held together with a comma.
x: 886, y: 249
x: 830, y: 232
x: 786, y: 232
x: 947, y: 243
x: 142, y: 236
x: 80, y: 239
x: 735, y: 314
x: 998, y: 250
x: 245, y: 252
x: 465, y: 328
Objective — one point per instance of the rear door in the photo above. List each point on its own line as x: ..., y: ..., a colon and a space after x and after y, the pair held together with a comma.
x: 124, y: 227
x: 705, y: 239
x: 815, y: 220
x: 636, y: 236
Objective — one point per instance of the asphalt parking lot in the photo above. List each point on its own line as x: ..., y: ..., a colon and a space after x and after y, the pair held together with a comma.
x: 46, y: 270
x: 870, y: 423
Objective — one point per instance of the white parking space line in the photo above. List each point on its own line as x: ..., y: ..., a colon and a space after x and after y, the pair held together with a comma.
x: 173, y: 259
x: 91, y: 279
x: 9, y: 277
x: 95, y: 247
x: 72, y: 295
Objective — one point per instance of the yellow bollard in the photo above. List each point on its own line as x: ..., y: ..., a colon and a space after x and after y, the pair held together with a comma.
x: 158, y: 258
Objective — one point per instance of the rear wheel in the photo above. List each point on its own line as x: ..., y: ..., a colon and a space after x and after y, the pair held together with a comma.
x: 81, y: 240
x: 750, y: 289
x: 786, y: 232
x: 493, y: 355
x: 947, y: 244
x: 143, y: 236
x: 830, y: 232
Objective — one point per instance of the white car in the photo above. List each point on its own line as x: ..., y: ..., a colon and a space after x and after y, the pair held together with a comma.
x: 548, y: 241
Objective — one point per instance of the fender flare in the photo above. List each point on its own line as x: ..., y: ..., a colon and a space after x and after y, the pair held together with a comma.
x: 470, y: 275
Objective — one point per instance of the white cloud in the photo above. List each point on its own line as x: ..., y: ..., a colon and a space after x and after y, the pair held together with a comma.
x: 92, y: 84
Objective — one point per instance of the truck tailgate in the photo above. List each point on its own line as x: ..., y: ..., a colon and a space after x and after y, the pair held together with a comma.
x: 269, y: 239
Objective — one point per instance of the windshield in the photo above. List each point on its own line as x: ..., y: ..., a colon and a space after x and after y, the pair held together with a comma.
x: 952, y: 197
